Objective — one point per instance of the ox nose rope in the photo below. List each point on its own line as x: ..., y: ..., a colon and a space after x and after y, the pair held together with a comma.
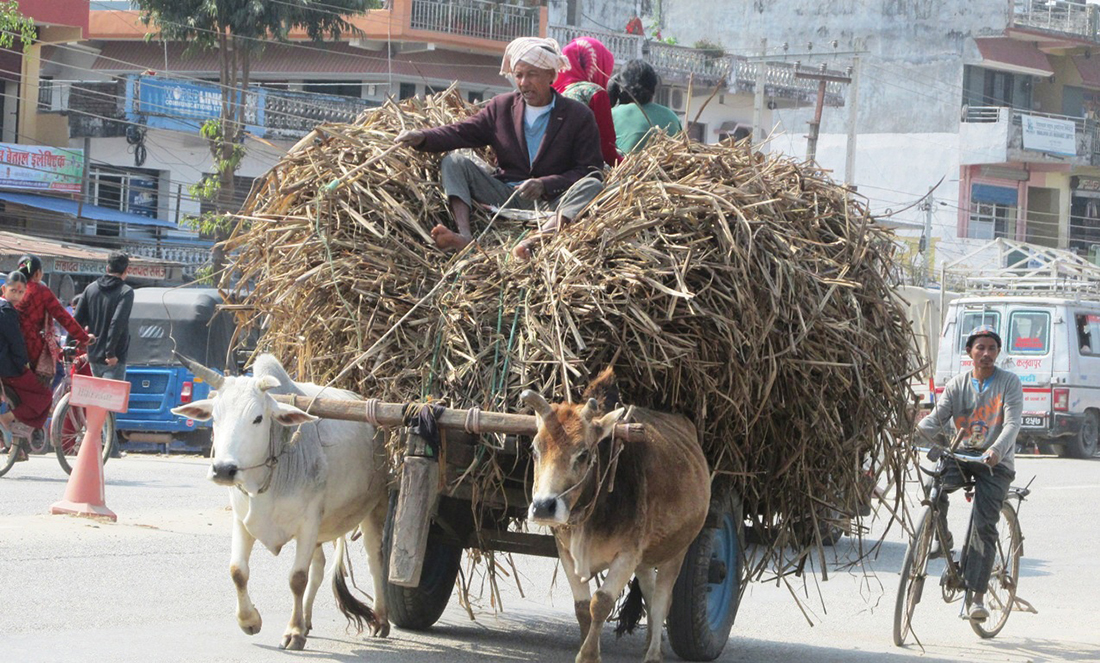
x: 272, y: 461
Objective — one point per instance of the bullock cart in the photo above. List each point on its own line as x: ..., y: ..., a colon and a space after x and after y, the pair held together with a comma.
x: 431, y: 522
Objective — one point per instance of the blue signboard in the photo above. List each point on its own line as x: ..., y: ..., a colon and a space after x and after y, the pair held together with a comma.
x: 171, y: 104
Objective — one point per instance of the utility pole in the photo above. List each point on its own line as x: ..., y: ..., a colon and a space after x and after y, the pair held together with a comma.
x: 853, y: 116
x: 823, y: 78
x: 758, y: 95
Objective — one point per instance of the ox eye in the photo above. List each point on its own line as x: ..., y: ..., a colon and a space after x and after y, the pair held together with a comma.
x: 582, y: 457
x: 259, y: 418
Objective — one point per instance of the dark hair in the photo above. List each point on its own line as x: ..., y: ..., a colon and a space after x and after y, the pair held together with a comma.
x: 16, y: 277
x: 637, y: 82
x: 117, y: 262
x: 29, y: 265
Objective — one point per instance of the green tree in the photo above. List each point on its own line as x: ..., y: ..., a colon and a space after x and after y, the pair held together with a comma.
x: 238, y: 30
x: 14, y: 24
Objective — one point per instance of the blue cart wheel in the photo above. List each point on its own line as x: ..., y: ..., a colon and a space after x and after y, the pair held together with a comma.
x: 708, y: 589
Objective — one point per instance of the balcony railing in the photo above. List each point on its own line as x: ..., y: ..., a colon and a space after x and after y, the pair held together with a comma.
x: 103, y: 109
x: 676, y: 64
x: 482, y: 19
x: 1070, y: 18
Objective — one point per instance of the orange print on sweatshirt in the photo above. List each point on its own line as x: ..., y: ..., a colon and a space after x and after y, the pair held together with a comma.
x: 979, y: 422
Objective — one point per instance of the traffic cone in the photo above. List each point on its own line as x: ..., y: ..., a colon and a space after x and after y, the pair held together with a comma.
x: 84, y: 495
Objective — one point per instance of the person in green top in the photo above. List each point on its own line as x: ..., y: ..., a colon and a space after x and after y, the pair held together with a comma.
x: 635, y: 115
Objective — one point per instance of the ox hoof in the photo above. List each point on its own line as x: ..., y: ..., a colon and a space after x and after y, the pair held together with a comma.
x: 584, y: 658
x: 294, y: 641
x: 380, y: 630
x: 250, y: 624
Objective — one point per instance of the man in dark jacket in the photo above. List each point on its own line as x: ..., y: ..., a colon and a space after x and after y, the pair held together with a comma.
x: 30, y: 399
x: 104, y: 309
x: 547, y: 148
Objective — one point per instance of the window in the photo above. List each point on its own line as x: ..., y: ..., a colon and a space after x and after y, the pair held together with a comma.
x: 475, y: 97
x: 434, y: 89
x: 991, y: 220
x: 697, y: 131
x: 1029, y: 333
x: 136, y: 192
x: 973, y: 319
x: 1088, y: 333
x: 406, y: 90
x: 986, y: 87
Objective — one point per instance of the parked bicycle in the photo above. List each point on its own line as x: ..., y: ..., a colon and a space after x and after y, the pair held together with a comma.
x: 1000, y: 598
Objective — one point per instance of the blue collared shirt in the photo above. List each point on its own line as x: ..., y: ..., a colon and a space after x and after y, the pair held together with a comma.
x: 535, y: 131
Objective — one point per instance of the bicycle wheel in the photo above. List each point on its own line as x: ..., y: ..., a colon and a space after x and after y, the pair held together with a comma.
x: 1001, y: 595
x: 7, y: 459
x: 67, y: 432
x: 914, y: 568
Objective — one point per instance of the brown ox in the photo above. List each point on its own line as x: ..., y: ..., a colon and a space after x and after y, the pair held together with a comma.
x: 625, y: 508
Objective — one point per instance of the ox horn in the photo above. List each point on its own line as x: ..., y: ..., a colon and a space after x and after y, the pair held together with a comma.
x: 590, y: 409
x: 537, y: 402
x: 214, y: 378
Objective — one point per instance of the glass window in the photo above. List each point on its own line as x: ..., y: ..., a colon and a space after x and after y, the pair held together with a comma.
x: 1088, y: 333
x: 406, y: 90
x: 991, y: 220
x: 972, y: 319
x: 1029, y: 333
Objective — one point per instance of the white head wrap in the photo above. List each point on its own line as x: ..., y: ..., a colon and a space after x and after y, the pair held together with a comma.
x: 535, y: 51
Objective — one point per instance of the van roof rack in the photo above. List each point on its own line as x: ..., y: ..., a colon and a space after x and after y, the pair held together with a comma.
x: 1005, y: 266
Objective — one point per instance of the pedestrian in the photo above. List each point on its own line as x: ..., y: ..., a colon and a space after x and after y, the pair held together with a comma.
x: 28, y: 398
x: 590, y: 67
x: 105, y: 309
x: 38, y: 310
x: 636, y: 115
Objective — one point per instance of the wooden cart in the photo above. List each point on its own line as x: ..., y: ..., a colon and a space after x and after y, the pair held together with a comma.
x: 432, y: 519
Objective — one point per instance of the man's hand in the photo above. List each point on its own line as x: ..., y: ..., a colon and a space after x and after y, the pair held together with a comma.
x: 990, y: 458
x: 111, y: 361
x: 410, y: 138
x: 531, y: 189
x: 91, y: 339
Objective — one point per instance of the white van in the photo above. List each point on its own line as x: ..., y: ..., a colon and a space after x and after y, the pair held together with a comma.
x: 1053, y: 344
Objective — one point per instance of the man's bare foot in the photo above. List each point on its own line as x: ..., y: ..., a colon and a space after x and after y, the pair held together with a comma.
x: 522, y: 251
x: 447, y: 239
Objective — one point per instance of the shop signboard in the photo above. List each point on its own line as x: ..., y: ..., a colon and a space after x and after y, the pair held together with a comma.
x: 40, y: 168
x: 1045, y: 134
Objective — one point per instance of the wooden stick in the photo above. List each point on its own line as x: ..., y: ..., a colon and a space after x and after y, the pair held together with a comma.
x: 392, y: 414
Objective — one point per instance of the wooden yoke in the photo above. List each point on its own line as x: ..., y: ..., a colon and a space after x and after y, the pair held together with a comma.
x: 392, y: 414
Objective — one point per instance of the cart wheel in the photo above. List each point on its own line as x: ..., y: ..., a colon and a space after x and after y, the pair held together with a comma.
x: 708, y: 589
x: 417, y: 608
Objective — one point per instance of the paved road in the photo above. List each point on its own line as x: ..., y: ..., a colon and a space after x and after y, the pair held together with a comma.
x: 154, y: 587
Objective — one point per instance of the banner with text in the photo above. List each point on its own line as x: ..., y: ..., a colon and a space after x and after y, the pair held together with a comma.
x: 41, y: 168
x: 1045, y: 134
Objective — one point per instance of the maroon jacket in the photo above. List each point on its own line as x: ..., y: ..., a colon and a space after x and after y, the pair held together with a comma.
x: 570, y: 149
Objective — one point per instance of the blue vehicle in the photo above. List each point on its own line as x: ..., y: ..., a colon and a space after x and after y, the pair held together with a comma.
x: 164, y: 321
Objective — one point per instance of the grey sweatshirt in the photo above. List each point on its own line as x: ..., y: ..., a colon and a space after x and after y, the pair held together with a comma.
x: 991, y: 418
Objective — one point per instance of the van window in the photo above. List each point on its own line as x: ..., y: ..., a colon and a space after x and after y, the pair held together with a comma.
x: 1088, y: 333
x: 974, y: 319
x: 1029, y: 333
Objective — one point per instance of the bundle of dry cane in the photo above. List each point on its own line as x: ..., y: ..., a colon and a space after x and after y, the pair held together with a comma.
x: 748, y: 292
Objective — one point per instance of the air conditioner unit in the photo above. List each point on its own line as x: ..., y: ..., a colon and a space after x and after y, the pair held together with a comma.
x: 676, y: 100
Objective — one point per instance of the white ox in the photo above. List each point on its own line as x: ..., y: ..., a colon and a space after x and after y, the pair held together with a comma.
x: 293, y: 476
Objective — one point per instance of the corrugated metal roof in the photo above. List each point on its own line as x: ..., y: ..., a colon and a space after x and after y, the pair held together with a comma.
x: 71, y: 207
x: 16, y: 244
x: 1012, y: 55
x: 308, y: 60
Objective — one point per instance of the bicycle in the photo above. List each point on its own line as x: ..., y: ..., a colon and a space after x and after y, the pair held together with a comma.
x: 1000, y: 598
x: 68, y: 423
x: 20, y: 433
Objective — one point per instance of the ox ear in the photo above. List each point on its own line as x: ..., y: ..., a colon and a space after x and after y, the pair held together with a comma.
x: 268, y: 382
x: 199, y: 410
x: 604, y: 426
x: 288, y: 415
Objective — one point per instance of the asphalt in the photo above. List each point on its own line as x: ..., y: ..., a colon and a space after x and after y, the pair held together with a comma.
x: 155, y: 587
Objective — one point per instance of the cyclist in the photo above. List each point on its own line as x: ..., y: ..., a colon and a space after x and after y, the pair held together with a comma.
x: 985, y: 403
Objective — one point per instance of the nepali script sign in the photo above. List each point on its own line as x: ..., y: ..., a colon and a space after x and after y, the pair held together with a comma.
x: 1045, y: 134
x: 142, y: 270
x: 111, y: 395
x: 41, y: 168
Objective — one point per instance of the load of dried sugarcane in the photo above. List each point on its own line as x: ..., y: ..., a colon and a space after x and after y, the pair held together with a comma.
x: 747, y: 291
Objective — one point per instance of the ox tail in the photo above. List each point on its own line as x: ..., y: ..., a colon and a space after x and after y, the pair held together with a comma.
x: 356, y: 612
x: 631, y: 610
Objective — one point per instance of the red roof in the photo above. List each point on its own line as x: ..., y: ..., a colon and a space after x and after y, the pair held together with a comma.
x: 307, y: 60
x: 1089, y: 68
x: 1012, y: 55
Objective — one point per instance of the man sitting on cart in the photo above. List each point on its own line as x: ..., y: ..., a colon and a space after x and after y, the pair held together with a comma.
x: 985, y: 403
x: 547, y: 148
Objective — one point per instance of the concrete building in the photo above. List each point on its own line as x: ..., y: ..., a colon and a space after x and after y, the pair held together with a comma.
x: 993, y: 100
